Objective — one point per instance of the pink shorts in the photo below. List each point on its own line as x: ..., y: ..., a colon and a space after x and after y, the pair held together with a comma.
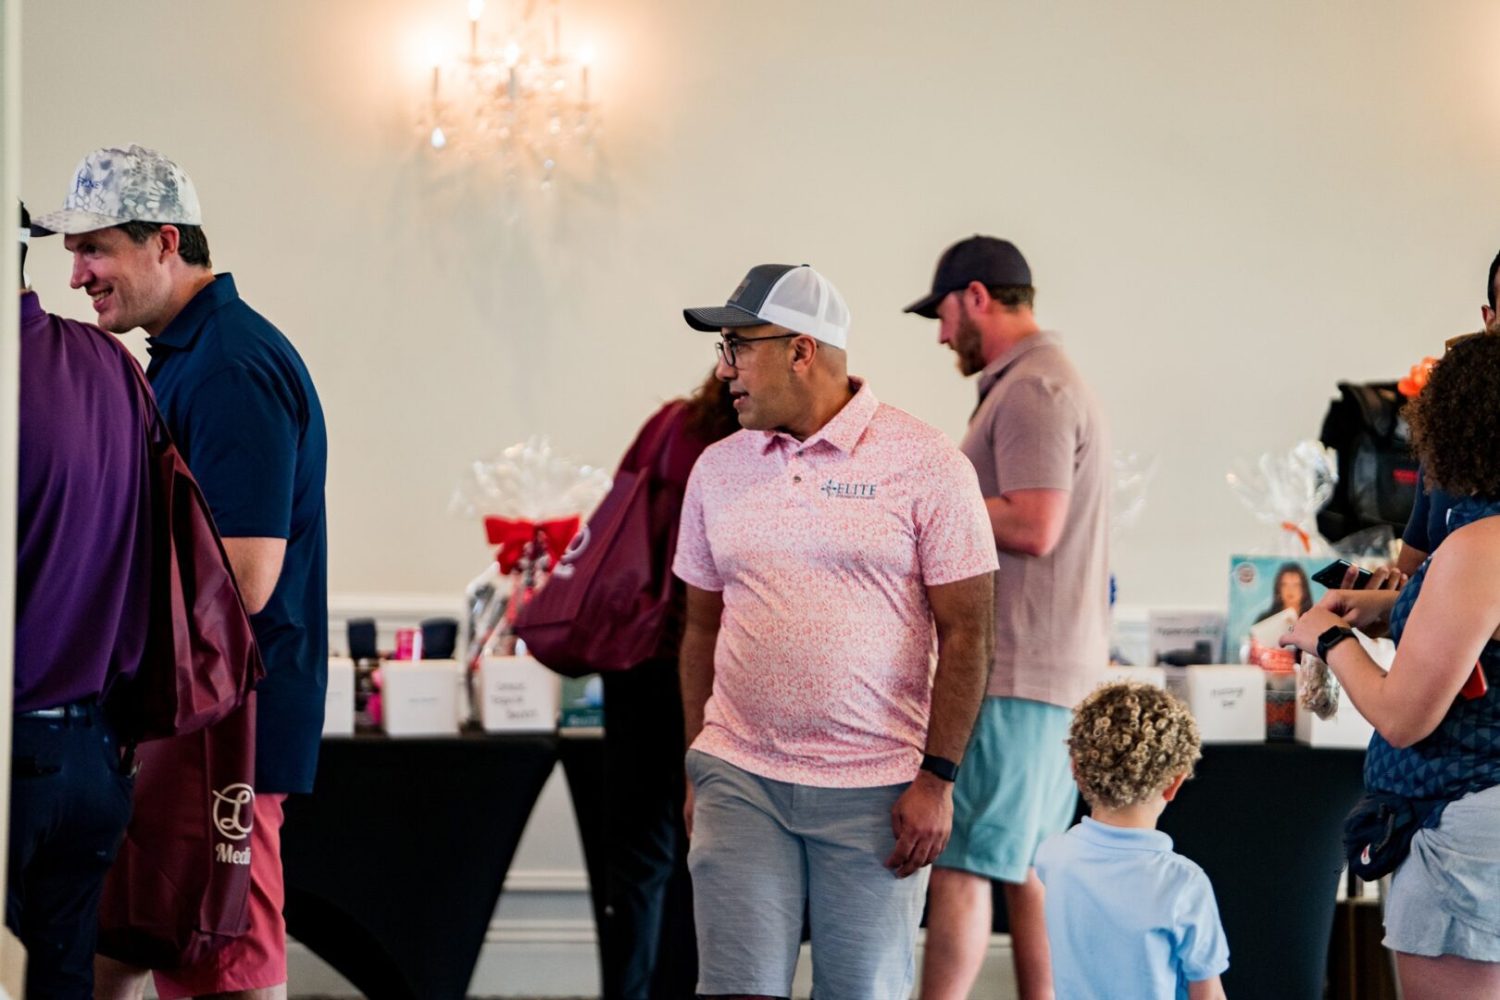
x: 258, y: 959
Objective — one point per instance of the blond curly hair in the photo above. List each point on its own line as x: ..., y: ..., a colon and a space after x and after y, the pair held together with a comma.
x: 1128, y: 741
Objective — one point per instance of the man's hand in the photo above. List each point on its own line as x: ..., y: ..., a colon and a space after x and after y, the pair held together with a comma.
x: 687, y: 809
x: 921, y: 819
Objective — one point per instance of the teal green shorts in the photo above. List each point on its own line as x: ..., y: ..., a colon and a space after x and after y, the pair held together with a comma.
x: 1014, y: 789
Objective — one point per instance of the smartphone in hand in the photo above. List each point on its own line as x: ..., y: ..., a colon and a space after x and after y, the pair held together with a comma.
x: 1332, y: 575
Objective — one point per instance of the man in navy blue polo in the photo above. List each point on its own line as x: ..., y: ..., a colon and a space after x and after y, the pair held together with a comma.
x: 245, y: 415
x: 83, y: 576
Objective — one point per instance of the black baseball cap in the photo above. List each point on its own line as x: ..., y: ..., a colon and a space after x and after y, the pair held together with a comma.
x: 988, y: 260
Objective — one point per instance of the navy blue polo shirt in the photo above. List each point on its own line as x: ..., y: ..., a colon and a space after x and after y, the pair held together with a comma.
x: 246, y: 417
x: 1428, y: 524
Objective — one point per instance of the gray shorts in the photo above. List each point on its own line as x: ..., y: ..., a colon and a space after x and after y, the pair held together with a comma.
x: 763, y: 849
x: 1445, y: 897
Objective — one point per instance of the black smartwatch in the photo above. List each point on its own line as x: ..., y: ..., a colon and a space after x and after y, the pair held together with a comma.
x: 1332, y: 637
x: 942, y: 767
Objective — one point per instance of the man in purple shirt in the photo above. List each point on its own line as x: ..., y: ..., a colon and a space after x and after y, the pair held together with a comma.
x: 82, y: 594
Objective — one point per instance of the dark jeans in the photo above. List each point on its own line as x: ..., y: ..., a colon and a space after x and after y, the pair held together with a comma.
x: 69, y: 803
x: 649, y: 948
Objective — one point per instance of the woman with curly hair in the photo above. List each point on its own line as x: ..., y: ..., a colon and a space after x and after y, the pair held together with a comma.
x: 1126, y: 916
x: 1434, y: 761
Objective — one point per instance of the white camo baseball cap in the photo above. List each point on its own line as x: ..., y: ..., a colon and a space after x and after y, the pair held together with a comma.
x: 115, y: 186
x: 794, y: 297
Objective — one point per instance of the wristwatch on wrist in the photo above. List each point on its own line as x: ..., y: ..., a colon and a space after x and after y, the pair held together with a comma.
x: 1332, y: 637
x: 942, y: 767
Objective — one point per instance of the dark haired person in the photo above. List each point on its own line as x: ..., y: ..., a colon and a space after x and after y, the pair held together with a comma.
x: 244, y: 413
x: 1292, y: 590
x: 1428, y: 522
x: 83, y: 542
x: 1039, y: 443
x: 1437, y: 740
x: 648, y: 943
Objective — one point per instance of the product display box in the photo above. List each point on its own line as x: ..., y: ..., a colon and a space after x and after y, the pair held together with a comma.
x: 1347, y: 729
x: 338, y: 709
x: 1184, y: 638
x: 518, y: 695
x: 1266, y: 594
x: 1228, y: 701
x: 420, y: 697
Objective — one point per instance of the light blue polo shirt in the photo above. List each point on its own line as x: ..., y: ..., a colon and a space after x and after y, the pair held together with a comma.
x: 1127, y: 919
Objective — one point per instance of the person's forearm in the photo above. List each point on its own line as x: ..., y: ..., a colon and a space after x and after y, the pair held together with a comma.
x: 1410, y: 560
x: 695, y: 666
x: 1400, y: 722
x: 1026, y: 524
x: 958, y: 688
x: 1013, y: 533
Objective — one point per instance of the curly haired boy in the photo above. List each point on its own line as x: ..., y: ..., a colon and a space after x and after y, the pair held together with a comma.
x: 1126, y: 916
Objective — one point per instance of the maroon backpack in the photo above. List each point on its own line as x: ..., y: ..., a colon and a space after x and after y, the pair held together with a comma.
x: 609, y: 603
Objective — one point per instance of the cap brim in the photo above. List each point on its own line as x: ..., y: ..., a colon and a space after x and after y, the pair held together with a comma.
x: 712, y: 319
x: 926, y: 306
x: 71, y: 222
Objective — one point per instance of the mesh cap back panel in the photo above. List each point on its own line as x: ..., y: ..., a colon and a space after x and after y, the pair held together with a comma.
x: 804, y: 301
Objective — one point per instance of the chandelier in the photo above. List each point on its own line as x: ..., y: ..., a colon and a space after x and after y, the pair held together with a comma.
x: 521, y: 105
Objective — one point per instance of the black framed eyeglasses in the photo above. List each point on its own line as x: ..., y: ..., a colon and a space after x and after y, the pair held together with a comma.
x: 727, y: 346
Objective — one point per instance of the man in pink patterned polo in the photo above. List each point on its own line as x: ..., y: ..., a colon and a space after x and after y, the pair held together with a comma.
x: 822, y: 545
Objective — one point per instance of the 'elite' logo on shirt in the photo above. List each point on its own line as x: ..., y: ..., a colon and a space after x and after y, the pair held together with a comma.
x: 852, y: 491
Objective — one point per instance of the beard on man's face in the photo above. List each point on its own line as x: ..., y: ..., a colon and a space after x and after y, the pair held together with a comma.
x: 967, y: 344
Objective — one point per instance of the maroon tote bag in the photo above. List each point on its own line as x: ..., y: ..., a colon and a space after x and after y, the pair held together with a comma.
x: 180, y: 887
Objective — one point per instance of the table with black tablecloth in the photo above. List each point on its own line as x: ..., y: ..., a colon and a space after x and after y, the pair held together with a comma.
x: 1265, y: 823
x: 394, y: 866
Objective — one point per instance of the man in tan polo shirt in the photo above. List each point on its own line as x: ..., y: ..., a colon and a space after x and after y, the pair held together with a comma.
x: 1039, y: 445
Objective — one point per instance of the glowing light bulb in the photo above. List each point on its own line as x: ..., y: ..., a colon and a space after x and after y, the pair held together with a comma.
x: 439, y: 140
x: 476, y: 8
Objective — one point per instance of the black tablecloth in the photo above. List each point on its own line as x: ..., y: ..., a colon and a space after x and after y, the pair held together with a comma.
x: 394, y: 864
x: 1265, y: 822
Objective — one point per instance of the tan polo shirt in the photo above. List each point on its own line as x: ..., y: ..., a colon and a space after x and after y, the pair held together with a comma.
x: 1038, y: 426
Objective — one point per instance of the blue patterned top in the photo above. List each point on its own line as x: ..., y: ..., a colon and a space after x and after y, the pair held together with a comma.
x: 1462, y: 754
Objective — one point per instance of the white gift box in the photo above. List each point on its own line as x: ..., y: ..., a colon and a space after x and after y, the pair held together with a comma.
x: 338, y: 708
x: 420, y: 697
x: 1347, y: 729
x: 1156, y: 676
x: 518, y: 695
x: 1227, y: 700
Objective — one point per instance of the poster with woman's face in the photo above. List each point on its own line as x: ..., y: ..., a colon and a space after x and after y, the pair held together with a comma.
x: 1266, y: 596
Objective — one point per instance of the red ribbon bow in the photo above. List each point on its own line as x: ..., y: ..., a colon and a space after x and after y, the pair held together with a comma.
x: 515, y: 536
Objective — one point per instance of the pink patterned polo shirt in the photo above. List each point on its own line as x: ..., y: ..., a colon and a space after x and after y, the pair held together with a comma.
x: 823, y: 550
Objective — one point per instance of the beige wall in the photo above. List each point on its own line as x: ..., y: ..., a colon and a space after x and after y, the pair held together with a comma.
x: 1227, y: 207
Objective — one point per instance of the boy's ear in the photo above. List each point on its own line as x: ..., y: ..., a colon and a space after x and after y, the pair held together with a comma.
x: 1170, y: 792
